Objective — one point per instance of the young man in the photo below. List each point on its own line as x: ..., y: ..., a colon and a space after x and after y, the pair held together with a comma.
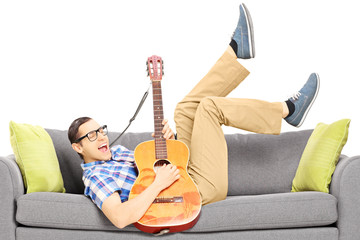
x: 109, y: 174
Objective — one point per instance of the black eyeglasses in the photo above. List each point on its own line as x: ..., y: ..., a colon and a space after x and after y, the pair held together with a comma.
x: 93, y: 135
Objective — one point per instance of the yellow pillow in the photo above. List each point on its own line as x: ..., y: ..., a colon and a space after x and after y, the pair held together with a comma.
x: 35, y: 154
x: 320, y: 156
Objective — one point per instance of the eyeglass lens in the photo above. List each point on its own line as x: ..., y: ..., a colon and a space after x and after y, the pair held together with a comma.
x: 94, y: 134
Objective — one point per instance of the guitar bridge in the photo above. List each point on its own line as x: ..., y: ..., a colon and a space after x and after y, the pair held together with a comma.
x: 178, y: 199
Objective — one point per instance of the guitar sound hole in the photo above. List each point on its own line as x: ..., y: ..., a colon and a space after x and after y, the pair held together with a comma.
x: 160, y: 163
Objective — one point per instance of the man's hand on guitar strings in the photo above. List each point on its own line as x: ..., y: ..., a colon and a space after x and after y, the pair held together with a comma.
x: 166, y: 175
x: 168, y: 133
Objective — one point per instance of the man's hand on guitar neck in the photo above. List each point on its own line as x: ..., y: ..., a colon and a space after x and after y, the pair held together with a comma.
x: 168, y: 133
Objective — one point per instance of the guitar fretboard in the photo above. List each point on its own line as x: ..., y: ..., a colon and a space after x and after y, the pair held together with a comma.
x: 160, y: 142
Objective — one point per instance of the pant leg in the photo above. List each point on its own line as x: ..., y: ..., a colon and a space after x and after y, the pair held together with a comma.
x: 204, y: 136
x: 223, y: 77
x: 208, y: 165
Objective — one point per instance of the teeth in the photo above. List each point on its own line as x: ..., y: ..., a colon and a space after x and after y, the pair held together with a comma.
x: 102, y: 145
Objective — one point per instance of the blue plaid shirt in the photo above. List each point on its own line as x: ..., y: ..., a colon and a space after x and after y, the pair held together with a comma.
x: 103, y: 178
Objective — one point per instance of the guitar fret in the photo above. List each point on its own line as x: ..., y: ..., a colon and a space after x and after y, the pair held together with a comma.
x: 160, y: 142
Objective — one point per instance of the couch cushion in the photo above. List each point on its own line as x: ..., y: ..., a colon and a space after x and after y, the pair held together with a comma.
x: 268, y: 211
x: 320, y: 157
x: 36, y: 158
x: 282, y: 210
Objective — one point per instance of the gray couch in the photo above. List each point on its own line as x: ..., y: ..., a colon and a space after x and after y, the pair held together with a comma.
x: 259, y: 203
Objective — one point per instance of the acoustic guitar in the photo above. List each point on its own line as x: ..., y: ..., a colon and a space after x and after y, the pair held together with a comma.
x: 177, y: 207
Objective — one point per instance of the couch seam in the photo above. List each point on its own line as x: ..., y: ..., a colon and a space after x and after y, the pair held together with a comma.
x: 266, y: 223
x: 50, y: 201
x: 11, y: 178
x: 262, y: 202
x: 249, y: 225
x: 328, y: 200
x: 352, y: 160
x: 47, y: 222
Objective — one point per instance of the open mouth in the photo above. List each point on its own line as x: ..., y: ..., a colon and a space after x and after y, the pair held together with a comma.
x: 103, y: 147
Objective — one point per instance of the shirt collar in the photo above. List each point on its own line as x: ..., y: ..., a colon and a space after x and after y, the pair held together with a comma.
x: 87, y: 165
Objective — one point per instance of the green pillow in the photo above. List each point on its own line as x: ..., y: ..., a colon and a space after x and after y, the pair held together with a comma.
x: 35, y: 154
x: 320, y: 156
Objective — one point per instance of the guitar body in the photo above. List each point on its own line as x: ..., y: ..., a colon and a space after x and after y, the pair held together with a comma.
x: 177, y: 207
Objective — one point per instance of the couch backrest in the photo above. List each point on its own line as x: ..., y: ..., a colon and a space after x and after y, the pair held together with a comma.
x: 70, y: 161
x: 258, y: 164
x: 261, y: 164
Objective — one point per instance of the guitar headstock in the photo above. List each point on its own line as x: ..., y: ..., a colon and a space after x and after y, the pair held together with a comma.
x: 155, y: 68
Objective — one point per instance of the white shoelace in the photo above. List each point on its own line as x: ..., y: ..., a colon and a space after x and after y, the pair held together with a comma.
x: 295, y: 96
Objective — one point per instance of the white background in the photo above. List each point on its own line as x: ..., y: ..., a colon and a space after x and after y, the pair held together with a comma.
x: 60, y: 60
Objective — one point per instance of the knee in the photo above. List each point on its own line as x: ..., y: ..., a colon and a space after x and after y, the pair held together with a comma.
x: 208, y: 104
x: 214, y: 192
x: 208, y: 101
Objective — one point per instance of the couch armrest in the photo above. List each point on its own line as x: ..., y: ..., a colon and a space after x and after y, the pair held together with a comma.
x: 11, y: 187
x: 345, y: 187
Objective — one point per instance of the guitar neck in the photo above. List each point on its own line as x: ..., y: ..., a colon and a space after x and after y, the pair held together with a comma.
x: 160, y: 142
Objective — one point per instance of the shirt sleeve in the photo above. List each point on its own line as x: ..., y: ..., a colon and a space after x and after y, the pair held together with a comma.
x: 121, y: 153
x: 99, y: 188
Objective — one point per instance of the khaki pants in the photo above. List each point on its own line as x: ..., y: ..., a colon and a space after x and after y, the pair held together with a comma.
x: 201, y: 113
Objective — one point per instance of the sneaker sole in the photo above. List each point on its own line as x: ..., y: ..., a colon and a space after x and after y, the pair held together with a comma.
x: 307, y: 110
x: 250, y: 30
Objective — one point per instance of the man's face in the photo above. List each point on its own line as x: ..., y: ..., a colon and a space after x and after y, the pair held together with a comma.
x: 97, y: 150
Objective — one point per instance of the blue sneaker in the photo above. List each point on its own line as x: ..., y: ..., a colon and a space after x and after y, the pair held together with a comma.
x: 303, y: 100
x: 243, y: 37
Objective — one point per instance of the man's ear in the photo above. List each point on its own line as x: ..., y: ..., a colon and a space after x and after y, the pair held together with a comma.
x: 77, y: 147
